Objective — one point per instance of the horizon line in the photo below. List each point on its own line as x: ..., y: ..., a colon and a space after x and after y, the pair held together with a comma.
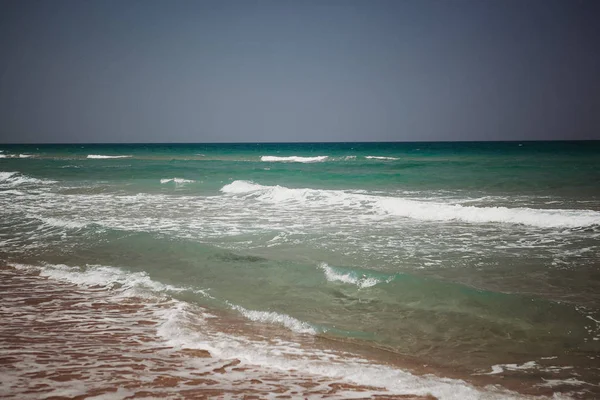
x: 305, y: 142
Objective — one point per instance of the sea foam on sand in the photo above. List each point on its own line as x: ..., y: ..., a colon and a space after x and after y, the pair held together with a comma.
x: 94, y: 338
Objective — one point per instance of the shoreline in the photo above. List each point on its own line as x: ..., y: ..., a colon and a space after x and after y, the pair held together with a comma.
x: 65, y: 341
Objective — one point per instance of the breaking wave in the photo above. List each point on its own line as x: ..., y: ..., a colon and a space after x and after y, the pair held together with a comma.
x: 351, y: 277
x: 177, y: 181
x: 100, y: 156
x: 274, y: 318
x: 16, y: 178
x: 409, y: 208
x: 381, y: 158
x: 294, y: 159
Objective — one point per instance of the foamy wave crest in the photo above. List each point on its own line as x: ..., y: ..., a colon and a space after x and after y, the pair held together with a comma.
x: 351, y: 277
x: 103, y: 156
x: 25, y: 155
x: 4, y: 176
x: 294, y: 159
x: 15, y: 178
x: 177, y: 181
x: 381, y: 158
x: 281, y: 196
x: 128, y: 283
x: 270, y: 317
x: 543, y: 218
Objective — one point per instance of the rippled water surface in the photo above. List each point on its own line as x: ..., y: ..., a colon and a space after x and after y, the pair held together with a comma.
x: 475, y: 261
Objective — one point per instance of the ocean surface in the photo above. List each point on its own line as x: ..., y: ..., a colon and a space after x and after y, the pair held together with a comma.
x: 464, y: 270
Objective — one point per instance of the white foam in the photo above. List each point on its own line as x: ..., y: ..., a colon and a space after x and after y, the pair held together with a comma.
x: 544, y: 218
x: 103, y: 156
x: 270, y: 317
x: 560, y: 382
x: 243, y: 187
x: 6, y: 175
x: 499, y: 368
x: 3, y: 156
x: 62, y: 223
x: 178, y: 181
x: 409, y: 208
x: 381, y: 158
x: 15, y: 178
x: 129, y: 283
x: 293, y: 159
x: 25, y: 155
x: 284, y: 356
x: 362, y: 282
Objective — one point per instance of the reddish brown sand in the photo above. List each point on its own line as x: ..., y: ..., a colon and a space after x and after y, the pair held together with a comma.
x: 62, y: 341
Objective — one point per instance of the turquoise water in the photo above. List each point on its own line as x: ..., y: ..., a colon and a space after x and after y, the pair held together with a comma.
x: 479, y: 258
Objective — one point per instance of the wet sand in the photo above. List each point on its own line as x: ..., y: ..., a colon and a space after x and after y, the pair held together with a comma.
x: 63, y: 341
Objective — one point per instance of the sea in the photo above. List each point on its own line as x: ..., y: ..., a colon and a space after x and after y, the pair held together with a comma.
x: 458, y: 270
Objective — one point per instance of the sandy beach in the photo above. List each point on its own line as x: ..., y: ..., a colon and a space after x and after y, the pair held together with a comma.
x: 62, y: 341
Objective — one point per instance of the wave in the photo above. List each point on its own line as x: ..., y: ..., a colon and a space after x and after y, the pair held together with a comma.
x: 281, y: 196
x: 100, y: 156
x: 286, y: 356
x: 130, y: 284
x: 274, y: 318
x: 25, y: 155
x: 294, y: 159
x: 381, y: 158
x: 177, y: 181
x: 16, y: 178
x: 351, y: 277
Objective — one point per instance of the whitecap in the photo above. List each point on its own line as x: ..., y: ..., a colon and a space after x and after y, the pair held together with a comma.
x: 100, y: 156
x: 15, y: 178
x: 333, y: 275
x: 284, y: 197
x: 178, y: 181
x: 294, y: 159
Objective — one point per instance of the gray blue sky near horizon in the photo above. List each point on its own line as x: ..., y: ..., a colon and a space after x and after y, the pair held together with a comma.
x: 274, y: 71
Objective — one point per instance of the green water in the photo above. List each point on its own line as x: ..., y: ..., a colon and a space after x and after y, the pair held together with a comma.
x: 464, y: 255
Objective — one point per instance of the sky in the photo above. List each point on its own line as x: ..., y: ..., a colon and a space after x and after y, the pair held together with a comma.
x: 302, y: 70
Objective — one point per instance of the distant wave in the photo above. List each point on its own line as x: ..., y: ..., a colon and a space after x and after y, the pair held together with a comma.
x: 294, y: 159
x: 414, y: 209
x: 381, y: 158
x: 103, y: 156
x: 16, y: 155
x: 351, y: 277
x: 177, y: 181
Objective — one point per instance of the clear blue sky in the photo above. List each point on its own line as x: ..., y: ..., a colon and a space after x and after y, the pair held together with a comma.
x: 250, y: 71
